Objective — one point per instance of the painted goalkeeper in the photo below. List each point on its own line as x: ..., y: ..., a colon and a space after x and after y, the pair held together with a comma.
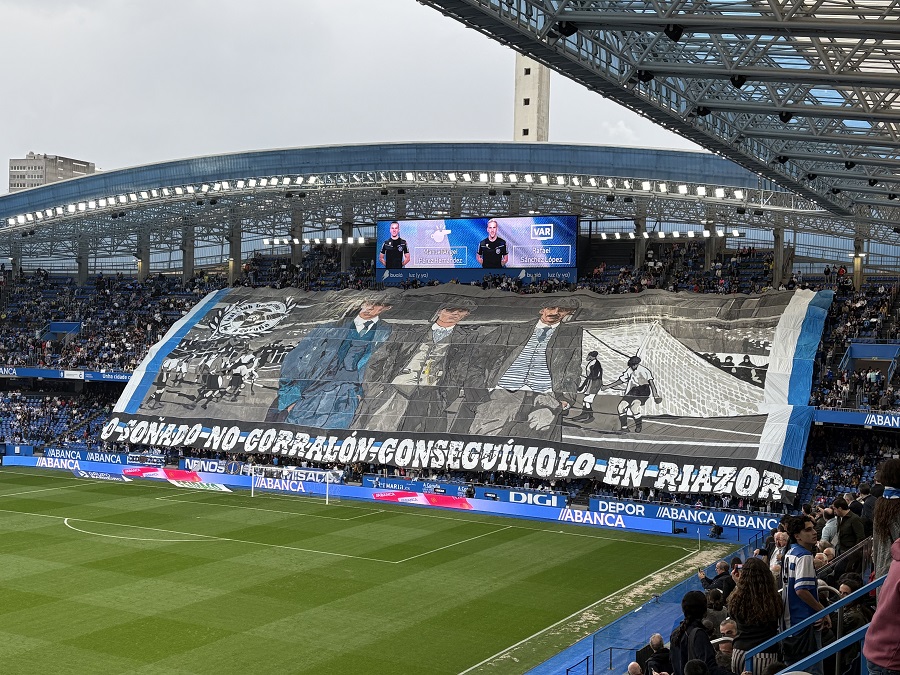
x: 639, y: 385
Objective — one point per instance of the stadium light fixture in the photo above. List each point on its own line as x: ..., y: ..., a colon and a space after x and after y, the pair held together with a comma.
x: 646, y: 234
x: 545, y: 180
x: 720, y: 233
x: 592, y: 181
x: 529, y: 178
x: 328, y: 240
x: 10, y: 221
x: 349, y: 240
x: 676, y: 234
x: 305, y: 241
x: 272, y: 182
x: 265, y: 241
x: 29, y: 218
x: 340, y: 240
x: 143, y: 195
x: 179, y: 191
x: 49, y: 213
x: 627, y: 184
x: 646, y: 185
x: 701, y: 191
x: 603, y: 235
x: 576, y: 181
x: 663, y: 188
x: 706, y: 233
x: 204, y: 188
x: 661, y: 234
x: 39, y: 215
x: 410, y: 176
x: 735, y: 233
x: 610, y: 183
x: 738, y: 194
x: 498, y: 177
x: 82, y: 206
x: 360, y: 240
x: 720, y: 193
x: 286, y: 180
x: 513, y: 178
x: 59, y: 210
x: 618, y: 236
x: 690, y: 234
x: 467, y: 177
x: 70, y: 208
x: 483, y: 178
x: 682, y: 189
x: 132, y: 197
x: 560, y: 180
x: 317, y: 240
x: 190, y: 189
x: 92, y: 204
x: 451, y: 176
x: 631, y: 235
x: 251, y: 183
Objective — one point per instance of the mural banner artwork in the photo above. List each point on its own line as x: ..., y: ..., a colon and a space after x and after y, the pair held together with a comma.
x: 684, y: 393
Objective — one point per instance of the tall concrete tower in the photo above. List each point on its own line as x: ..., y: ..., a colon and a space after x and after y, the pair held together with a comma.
x: 532, y: 106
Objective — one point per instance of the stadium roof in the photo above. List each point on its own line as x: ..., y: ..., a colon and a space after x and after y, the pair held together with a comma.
x: 295, y: 192
x: 803, y: 93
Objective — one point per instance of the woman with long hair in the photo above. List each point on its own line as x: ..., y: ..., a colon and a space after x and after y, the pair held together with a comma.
x: 886, y: 519
x: 690, y: 639
x: 756, y: 608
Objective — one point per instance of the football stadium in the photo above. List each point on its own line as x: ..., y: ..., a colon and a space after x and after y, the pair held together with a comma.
x: 479, y: 407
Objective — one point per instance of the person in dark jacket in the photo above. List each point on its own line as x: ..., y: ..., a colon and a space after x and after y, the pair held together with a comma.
x: 659, y: 661
x: 722, y: 580
x: 690, y: 639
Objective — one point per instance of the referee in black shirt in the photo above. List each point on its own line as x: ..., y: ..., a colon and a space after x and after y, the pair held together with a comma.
x: 394, y: 251
x: 492, y: 253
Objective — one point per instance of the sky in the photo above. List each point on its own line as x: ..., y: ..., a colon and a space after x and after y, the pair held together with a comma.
x: 124, y: 83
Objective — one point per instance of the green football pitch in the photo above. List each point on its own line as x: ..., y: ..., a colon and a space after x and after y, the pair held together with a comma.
x: 144, y: 577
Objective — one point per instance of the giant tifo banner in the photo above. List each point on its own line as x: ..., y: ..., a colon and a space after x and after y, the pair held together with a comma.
x: 678, y: 393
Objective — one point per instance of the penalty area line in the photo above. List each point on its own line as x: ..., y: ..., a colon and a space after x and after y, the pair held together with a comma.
x: 574, y: 614
x: 259, y: 508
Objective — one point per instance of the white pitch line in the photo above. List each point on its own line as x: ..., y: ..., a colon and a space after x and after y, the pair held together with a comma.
x: 573, y: 614
x: 413, y: 557
x: 61, y: 487
x: 258, y: 508
x: 117, y: 536
x: 204, y: 536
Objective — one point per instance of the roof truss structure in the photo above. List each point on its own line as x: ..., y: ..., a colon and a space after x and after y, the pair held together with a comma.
x: 802, y: 92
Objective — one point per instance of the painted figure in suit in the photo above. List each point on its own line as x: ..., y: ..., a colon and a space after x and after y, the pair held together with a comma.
x: 406, y: 380
x: 321, y: 378
x: 520, y: 378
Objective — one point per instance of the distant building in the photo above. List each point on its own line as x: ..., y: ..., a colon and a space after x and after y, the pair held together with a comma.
x: 35, y: 170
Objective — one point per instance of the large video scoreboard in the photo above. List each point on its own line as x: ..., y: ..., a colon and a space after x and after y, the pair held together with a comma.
x: 485, y: 244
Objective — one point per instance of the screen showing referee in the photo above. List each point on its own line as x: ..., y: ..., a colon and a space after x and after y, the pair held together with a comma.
x: 394, y: 251
x: 492, y: 253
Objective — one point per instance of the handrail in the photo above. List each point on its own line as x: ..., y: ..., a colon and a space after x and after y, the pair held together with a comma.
x: 826, y: 651
x: 864, y: 547
x: 796, y: 628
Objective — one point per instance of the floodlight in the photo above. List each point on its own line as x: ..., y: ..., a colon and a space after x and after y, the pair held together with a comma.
x: 451, y: 176
x: 190, y: 189
x: 410, y: 176
x: 676, y: 234
x: 690, y: 234
x: 360, y: 240
x: 328, y: 240
x: 560, y: 180
x: 701, y: 190
x: 738, y: 194
x: 720, y: 233
x: 618, y: 236
x: 646, y: 234
x: 340, y: 240
x: 646, y: 185
x: 661, y: 234
x: 631, y: 235
x: 483, y: 177
x: 544, y: 180
x: 513, y: 178
x: 663, y: 187
x: 735, y: 233
x: 467, y: 177
x: 682, y: 189
x: 706, y: 233
x: 602, y: 234
x: 317, y: 240
x: 575, y: 181
x: 529, y: 178
x: 498, y: 177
